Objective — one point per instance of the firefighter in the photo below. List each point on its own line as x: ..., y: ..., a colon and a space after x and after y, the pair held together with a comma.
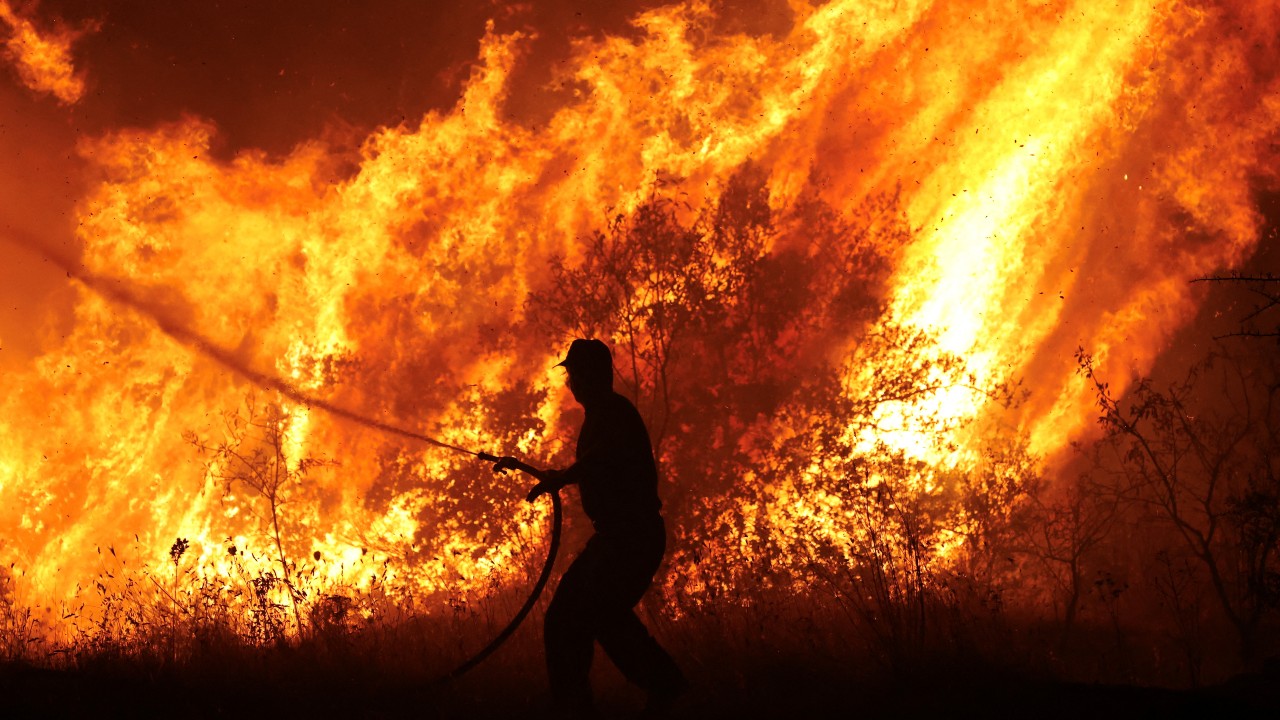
x: 617, y: 481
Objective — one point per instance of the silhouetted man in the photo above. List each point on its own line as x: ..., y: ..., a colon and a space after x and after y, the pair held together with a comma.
x: 618, y: 482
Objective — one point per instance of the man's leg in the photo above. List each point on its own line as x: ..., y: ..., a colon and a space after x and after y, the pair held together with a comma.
x: 568, y: 635
x: 633, y: 561
x: 639, y: 656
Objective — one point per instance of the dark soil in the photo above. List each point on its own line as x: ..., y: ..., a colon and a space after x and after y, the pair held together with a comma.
x: 788, y: 692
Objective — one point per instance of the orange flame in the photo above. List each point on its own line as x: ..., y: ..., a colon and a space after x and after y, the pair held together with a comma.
x: 43, y: 60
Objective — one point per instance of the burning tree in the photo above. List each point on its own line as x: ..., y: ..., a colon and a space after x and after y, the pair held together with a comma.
x: 256, y: 455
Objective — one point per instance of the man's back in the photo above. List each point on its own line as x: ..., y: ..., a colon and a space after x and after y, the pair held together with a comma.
x: 618, y: 477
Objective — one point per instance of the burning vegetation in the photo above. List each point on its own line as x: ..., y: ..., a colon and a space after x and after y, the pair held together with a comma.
x: 902, y: 290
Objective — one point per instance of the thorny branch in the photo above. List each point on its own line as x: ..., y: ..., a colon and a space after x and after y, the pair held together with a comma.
x: 1266, y: 287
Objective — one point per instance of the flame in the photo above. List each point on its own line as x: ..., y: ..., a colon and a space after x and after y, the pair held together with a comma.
x: 1044, y: 154
x: 43, y: 60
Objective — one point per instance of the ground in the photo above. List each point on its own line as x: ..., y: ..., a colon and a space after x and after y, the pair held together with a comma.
x: 785, y: 692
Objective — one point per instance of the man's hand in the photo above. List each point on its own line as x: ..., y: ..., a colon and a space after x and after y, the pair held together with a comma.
x: 509, y: 463
x: 547, y: 479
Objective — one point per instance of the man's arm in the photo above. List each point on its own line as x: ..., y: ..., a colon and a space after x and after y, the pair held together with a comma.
x: 549, y: 480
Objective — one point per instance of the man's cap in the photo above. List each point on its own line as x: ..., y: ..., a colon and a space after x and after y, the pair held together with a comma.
x: 588, y: 355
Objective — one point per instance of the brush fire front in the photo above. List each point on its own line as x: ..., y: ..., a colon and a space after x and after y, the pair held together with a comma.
x: 902, y: 292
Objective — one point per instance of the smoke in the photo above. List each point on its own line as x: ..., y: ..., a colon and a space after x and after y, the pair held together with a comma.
x: 40, y: 182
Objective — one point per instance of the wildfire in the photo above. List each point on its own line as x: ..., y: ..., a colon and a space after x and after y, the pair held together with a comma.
x: 403, y: 288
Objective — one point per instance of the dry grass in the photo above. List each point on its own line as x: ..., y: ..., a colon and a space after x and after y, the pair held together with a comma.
x: 152, y: 654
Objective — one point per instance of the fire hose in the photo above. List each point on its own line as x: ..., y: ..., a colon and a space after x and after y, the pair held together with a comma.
x: 552, y: 548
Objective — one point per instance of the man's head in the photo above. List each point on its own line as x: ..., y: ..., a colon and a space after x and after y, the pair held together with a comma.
x: 590, y: 366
